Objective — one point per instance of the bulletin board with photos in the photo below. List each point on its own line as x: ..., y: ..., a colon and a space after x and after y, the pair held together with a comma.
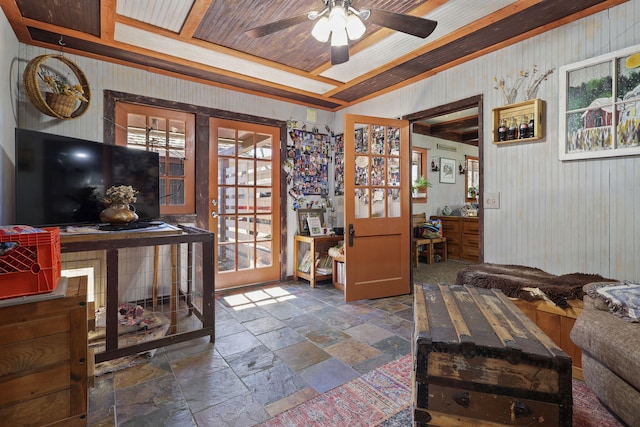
x: 338, y: 155
x: 310, y: 154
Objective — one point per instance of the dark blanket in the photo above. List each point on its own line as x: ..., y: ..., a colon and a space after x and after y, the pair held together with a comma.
x: 510, y: 279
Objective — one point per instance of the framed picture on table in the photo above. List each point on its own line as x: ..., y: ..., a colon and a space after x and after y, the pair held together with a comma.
x: 303, y: 214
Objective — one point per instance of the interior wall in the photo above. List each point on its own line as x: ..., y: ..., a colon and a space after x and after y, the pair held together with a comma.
x: 441, y: 194
x: 8, y: 117
x: 561, y: 217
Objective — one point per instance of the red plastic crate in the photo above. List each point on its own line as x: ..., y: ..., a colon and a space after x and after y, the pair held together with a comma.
x: 33, y: 267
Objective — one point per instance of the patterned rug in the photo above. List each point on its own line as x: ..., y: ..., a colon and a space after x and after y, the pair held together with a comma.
x: 382, y: 397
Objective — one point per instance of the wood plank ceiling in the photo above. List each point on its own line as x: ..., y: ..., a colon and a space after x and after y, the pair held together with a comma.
x: 205, y: 40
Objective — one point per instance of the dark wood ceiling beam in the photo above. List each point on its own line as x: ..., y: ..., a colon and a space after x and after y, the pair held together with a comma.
x: 464, y: 130
x: 461, y: 123
x: 471, y: 137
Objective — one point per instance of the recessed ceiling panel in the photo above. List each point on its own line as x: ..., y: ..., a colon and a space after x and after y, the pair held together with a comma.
x: 167, y: 14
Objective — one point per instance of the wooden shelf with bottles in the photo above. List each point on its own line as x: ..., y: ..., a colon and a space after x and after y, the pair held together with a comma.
x: 533, y: 108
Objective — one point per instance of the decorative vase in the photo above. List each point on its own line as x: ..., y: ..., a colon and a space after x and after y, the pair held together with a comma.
x: 119, y: 213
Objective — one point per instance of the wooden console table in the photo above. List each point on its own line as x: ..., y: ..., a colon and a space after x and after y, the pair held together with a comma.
x: 202, y: 305
x: 316, y: 244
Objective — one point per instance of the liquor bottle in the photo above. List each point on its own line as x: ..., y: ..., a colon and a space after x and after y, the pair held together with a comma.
x: 502, y: 130
x: 524, y: 128
x: 532, y: 127
x: 512, y: 132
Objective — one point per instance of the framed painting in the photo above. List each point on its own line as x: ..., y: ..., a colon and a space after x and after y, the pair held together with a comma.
x: 600, y: 106
x: 447, y: 171
x: 303, y: 224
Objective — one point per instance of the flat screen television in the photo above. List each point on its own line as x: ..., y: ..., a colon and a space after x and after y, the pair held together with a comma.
x: 61, y: 180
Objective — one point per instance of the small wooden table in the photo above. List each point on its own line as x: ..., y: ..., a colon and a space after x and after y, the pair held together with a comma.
x: 316, y: 244
x: 430, y: 248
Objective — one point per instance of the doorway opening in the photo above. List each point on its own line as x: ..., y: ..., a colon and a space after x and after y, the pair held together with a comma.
x: 458, y: 122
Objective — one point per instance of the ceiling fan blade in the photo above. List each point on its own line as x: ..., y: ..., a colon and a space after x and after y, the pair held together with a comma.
x: 414, y: 25
x: 339, y: 54
x: 274, y: 27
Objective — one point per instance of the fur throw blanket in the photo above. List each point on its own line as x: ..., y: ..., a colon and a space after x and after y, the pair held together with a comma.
x: 513, y: 279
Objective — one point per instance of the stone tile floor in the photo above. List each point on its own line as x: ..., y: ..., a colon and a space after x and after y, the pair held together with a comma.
x: 276, y: 347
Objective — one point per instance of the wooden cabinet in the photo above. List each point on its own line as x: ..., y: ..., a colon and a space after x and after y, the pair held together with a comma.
x: 470, y: 239
x: 451, y: 229
x: 43, y: 368
x: 463, y: 237
x: 532, y: 108
x: 315, y: 245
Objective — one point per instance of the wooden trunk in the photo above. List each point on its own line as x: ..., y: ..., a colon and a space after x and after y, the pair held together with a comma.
x: 43, y: 368
x: 480, y: 361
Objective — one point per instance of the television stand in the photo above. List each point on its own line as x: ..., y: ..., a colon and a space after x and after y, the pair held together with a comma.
x: 188, y: 277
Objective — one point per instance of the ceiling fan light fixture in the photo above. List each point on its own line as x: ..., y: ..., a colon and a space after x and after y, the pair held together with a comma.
x: 321, y: 30
x: 337, y: 18
x: 339, y: 37
x: 355, y: 27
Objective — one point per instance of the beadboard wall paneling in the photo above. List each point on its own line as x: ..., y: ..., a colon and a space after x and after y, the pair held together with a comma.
x: 8, y: 114
x: 562, y: 217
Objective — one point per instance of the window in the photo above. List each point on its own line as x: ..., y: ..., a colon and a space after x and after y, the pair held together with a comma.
x: 171, y: 135
x: 418, y: 169
x: 472, y: 178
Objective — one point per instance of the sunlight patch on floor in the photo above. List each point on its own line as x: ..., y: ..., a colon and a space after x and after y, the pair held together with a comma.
x: 258, y: 298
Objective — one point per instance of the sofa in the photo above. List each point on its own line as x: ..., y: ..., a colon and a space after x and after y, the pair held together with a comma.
x: 608, y: 333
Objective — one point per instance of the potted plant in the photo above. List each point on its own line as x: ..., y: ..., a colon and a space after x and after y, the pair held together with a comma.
x: 473, y: 192
x: 119, y: 210
x: 421, y: 185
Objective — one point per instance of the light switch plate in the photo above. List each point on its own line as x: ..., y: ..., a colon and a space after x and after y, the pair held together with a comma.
x: 492, y: 200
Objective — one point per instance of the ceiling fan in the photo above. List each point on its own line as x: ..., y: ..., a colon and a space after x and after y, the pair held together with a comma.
x: 341, y: 22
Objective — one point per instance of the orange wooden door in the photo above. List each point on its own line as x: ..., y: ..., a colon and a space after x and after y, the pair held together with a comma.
x: 244, y: 189
x: 377, y: 196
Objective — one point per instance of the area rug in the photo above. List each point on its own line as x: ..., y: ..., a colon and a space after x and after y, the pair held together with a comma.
x: 382, y: 397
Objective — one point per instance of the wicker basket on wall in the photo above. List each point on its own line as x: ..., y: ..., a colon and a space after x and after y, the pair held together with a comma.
x: 55, y: 104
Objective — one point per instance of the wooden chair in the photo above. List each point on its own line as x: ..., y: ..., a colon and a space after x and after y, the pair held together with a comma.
x: 428, y: 244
